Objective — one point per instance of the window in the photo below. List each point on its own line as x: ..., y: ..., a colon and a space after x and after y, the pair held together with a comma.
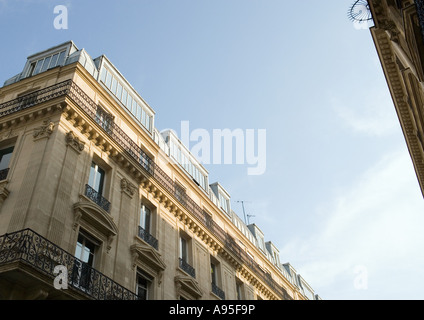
x: 185, y: 255
x: 61, y: 59
x: 214, y: 274
x: 114, y: 84
x: 143, y: 289
x: 183, y: 249
x: 119, y: 91
x: 103, y: 75
x: 85, y: 253
x: 261, y: 243
x: 104, y: 118
x: 215, y: 278
x: 135, y: 106
x: 124, y: 96
x: 239, y: 289
x: 145, y: 161
x: 53, y: 62
x: 31, y: 69
x: 85, y: 249
x: 46, y: 63
x: 143, y: 117
x: 148, y: 123
x: 5, y: 155
x: 129, y: 102
x: 223, y: 203
x: 138, y: 110
x: 97, y: 178
x: 180, y: 192
x: 108, y: 79
x: 145, y: 218
x: 276, y: 259
x: 38, y: 66
x: 146, y: 226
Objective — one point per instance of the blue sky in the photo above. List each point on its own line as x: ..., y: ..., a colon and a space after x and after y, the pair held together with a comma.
x: 339, y: 193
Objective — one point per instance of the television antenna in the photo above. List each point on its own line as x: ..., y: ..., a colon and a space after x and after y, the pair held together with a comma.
x: 248, y: 216
x: 242, y: 205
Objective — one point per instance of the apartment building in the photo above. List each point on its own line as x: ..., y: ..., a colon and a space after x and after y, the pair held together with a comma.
x: 398, y: 34
x: 93, y: 194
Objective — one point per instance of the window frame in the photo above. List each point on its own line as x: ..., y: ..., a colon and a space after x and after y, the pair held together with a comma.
x: 102, y: 174
x: 140, y: 274
x: 4, y: 152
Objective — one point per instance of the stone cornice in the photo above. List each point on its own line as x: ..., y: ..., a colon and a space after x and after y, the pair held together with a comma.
x: 400, y: 98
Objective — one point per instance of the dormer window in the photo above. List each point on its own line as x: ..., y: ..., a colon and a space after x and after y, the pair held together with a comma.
x: 46, y: 63
x: 223, y: 202
x: 124, y: 94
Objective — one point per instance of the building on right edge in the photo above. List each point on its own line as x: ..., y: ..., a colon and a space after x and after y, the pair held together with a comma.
x: 398, y: 34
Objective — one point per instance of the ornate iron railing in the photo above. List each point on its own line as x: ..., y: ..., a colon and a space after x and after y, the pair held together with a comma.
x: 3, y: 173
x: 187, y: 268
x: 31, y: 99
x: 146, y: 236
x: 74, y: 92
x: 218, y: 291
x: 34, y: 250
x: 96, y: 197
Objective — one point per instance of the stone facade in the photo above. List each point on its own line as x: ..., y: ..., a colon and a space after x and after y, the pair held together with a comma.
x: 79, y: 183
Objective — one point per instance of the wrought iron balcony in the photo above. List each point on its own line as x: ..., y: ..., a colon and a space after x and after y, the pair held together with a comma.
x: 146, y: 236
x: 218, y: 291
x: 187, y: 268
x: 3, y: 173
x: 97, y: 198
x: 30, y: 248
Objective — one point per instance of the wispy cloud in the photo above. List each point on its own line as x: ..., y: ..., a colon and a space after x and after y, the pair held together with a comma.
x: 378, y: 226
x: 373, y: 115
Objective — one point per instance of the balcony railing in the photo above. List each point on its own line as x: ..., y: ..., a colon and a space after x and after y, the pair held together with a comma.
x: 29, y: 247
x: 218, y: 291
x: 146, y: 236
x: 71, y: 90
x: 187, y: 268
x: 3, y: 174
x: 97, y: 198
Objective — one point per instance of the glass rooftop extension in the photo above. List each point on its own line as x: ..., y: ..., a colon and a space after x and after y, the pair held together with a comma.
x: 101, y: 69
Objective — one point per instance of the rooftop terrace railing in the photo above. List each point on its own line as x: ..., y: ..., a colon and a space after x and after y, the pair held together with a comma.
x: 74, y: 92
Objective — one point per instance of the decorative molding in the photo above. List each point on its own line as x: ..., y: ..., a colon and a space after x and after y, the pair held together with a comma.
x: 4, y: 192
x: 128, y: 187
x: 398, y: 91
x: 96, y: 218
x: 44, y: 131
x: 187, y: 285
x: 149, y: 256
x: 74, y: 142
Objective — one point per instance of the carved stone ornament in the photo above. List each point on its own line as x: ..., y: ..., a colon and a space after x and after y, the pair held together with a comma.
x: 73, y: 141
x: 4, y: 192
x: 127, y: 187
x: 44, y: 131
